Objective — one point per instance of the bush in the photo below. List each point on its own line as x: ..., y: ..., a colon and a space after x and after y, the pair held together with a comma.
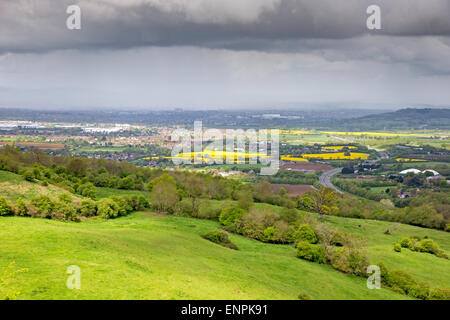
x: 5, y: 209
x: 220, y: 237
x: 87, y: 190
x: 289, y: 215
x: 311, y: 252
x: 304, y: 296
x: 88, y: 208
x: 270, y: 234
x: 428, y: 245
x: 65, y: 212
x: 256, y: 221
x: 44, y: 205
x: 306, y: 233
x: 28, y: 175
x: 107, y: 208
x: 384, y: 273
x: 206, y: 211
x: 348, y: 260
x: 231, y: 215
x: 419, y: 291
x: 439, y: 294
x: 405, y: 243
x: 185, y: 207
x: 21, y: 208
x: 124, y: 204
x: 402, y: 280
x: 339, y: 239
x: 397, y: 247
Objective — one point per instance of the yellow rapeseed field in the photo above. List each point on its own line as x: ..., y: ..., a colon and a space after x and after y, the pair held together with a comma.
x: 294, y: 132
x: 375, y: 134
x: 338, y: 147
x: 409, y: 160
x: 337, y: 156
x: 293, y: 158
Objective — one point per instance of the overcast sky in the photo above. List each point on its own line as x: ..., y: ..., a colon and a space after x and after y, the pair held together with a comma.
x: 208, y: 54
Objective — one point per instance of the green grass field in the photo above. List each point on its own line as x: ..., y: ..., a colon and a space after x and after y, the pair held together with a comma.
x: 149, y: 256
x: 13, y: 186
x: 108, y: 192
x: 145, y: 256
x: 423, y: 266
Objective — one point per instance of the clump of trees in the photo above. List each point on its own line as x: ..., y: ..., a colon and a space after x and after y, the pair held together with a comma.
x: 66, y: 209
x: 419, y: 213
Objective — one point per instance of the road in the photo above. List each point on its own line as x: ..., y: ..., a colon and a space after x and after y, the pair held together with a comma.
x: 324, y: 179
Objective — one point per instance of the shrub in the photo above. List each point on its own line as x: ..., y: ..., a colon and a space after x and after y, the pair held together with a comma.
x: 44, y: 205
x: 206, y: 211
x: 304, y: 296
x: 340, y: 239
x: 384, y: 273
x: 65, y: 212
x: 88, y: 208
x: 220, y: 237
x: 405, y: 243
x: 428, y: 245
x: 439, y: 294
x: 348, y: 260
x: 256, y: 221
x: 185, y: 207
x: 311, y: 252
x: 21, y: 208
x: 419, y: 291
x: 397, y: 247
x: 124, y: 204
x: 289, y: 215
x: 87, y: 190
x: 270, y: 234
x: 231, y: 215
x: 306, y: 233
x: 107, y: 208
x: 402, y: 280
x: 5, y: 209
x: 28, y: 175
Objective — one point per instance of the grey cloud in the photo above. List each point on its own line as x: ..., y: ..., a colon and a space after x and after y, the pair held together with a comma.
x: 27, y: 25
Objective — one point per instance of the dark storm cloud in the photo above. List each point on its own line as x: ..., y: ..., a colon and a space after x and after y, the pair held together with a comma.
x: 27, y: 25
x: 223, y: 53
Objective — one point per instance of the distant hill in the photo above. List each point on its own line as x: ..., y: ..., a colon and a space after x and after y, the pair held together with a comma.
x: 401, y: 119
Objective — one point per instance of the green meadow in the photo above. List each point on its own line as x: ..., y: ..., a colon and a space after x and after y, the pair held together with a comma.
x: 146, y: 256
x: 151, y: 256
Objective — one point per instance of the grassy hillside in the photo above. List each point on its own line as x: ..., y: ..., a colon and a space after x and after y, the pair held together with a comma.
x: 149, y: 256
x: 401, y: 119
x: 423, y: 266
x: 14, y: 186
x: 144, y: 256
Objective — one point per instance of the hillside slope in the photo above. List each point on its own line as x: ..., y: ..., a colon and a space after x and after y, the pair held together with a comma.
x: 403, y: 119
x: 144, y: 256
